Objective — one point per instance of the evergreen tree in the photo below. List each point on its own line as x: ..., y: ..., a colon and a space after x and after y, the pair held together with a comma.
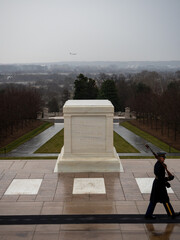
x: 85, y: 88
x: 108, y: 91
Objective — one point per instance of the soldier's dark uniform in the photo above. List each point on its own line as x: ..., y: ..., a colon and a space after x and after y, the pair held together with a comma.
x: 159, y: 192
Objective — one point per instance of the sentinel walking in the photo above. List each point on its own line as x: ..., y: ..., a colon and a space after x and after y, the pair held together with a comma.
x: 159, y: 191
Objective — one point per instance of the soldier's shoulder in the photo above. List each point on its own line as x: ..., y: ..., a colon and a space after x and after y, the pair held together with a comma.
x: 158, y: 165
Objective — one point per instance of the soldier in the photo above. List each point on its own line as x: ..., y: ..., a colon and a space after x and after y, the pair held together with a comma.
x: 159, y: 192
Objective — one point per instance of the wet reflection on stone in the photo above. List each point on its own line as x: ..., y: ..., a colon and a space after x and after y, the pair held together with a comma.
x: 156, y: 232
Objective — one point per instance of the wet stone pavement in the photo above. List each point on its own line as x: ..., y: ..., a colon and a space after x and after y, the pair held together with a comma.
x: 55, y: 195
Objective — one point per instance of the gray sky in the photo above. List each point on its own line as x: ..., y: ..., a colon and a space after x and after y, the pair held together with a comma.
x: 97, y: 30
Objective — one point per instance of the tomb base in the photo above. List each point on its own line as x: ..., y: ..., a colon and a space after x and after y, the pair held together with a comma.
x: 88, y: 162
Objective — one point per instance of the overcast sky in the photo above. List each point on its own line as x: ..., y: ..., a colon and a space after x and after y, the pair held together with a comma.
x: 33, y: 31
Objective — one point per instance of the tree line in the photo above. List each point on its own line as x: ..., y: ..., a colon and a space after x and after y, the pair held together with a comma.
x: 18, y: 106
x: 154, y: 105
x: 160, y: 111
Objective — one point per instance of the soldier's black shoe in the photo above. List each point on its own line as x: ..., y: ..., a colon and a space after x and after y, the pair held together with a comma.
x: 177, y: 214
x: 150, y: 217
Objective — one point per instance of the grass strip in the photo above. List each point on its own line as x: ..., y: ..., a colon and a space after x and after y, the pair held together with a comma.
x: 25, y: 137
x: 164, y: 146
x: 55, y: 144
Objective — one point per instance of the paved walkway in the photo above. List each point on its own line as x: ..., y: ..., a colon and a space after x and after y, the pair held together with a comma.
x: 55, y: 196
x: 135, y: 141
x: 29, y: 147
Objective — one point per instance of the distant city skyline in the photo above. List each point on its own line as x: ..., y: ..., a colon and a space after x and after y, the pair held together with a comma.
x: 35, y: 31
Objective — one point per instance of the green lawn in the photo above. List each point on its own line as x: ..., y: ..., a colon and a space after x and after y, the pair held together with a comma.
x: 25, y: 137
x: 149, y: 138
x: 55, y: 144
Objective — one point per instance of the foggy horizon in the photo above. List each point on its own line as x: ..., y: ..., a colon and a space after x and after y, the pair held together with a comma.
x: 54, y: 31
x: 74, y: 62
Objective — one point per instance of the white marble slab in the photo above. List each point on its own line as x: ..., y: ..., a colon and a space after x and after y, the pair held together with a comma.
x: 92, y: 105
x: 89, y: 186
x: 88, y: 134
x: 90, y: 102
x: 24, y: 186
x: 145, y: 185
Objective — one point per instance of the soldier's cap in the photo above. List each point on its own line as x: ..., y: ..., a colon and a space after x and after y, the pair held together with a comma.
x: 161, y: 154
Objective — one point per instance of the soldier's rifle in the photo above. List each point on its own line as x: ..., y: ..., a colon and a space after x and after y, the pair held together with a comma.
x: 163, y: 164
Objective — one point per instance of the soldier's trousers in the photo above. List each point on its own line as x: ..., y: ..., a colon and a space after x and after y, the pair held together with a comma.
x: 167, y: 206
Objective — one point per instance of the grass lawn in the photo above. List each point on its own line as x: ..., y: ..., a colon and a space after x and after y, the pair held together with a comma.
x: 149, y: 138
x: 55, y: 144
x: 25, y: 138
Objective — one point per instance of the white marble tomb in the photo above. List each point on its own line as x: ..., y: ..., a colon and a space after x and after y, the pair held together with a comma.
x: 88, y: 138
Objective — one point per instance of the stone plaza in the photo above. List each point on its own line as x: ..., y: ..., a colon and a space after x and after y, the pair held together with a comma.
x: 58, y: 193
x: 42, y: 187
